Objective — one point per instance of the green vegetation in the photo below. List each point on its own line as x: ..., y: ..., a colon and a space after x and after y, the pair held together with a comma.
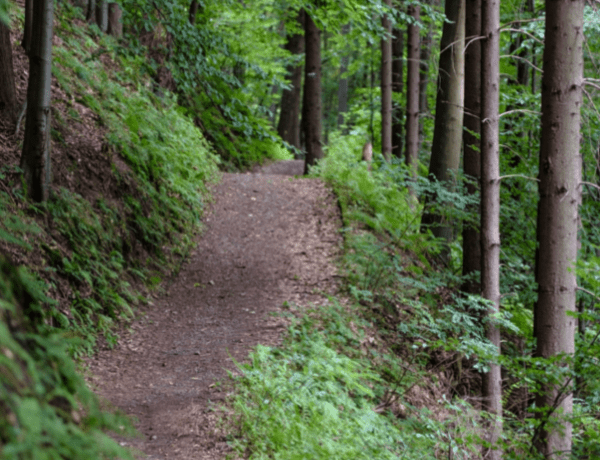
x: 393, y: 374
x: 48, y: 411
x: 407, y: 353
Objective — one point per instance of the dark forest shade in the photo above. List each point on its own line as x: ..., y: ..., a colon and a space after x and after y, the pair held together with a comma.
x: 289, y: 119
x: 472, y: 123
x: 8, y: 95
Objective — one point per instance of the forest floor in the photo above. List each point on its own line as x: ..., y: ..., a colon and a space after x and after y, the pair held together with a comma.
x: 269, y: 238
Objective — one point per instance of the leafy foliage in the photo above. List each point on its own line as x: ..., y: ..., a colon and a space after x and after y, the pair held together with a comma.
x: 48, y: 411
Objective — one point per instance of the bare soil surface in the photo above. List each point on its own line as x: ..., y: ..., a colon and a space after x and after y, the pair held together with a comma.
x: 269, y: 238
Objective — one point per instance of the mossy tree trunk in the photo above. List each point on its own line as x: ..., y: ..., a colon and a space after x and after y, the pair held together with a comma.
x: 35, y: 159
x: 560, y: 195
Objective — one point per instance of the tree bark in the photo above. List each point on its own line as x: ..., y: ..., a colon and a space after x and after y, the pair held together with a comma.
x: 115, y: 23
x: 35, y: 159
x: 560, y: 195
x: 412, y: 92
x: 386, y: 86
x: 397, y: 88
x: 312, y: 105
x: 447, y: 135
x: 27, y: 27
x: 471, y: 135
x: 289, y: 118
x: 193, y: 11
x: 490, y: 211
x: 102, y: 15
x: 8, y: 93
x: 343, y: 83
x: 90, y: 16
x: 426, y: 45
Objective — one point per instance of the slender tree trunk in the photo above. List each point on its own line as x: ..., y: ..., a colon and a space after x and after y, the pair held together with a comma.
x: 447, y: 135
x: 8, y: 93
x: 560, y: 195
x: 193, y: 11
x: 115, y: 23
x: 490, y: 211
x: 412, y: 92
x: 35, y: 160
x: 386, y: 86
x: 289, y: 118
x: 311, y: 107
x: 102, y: 15
x: 342, y: 91
x: 27, y: 28
x: 426, y: 46
x: 397, y: 88
x: 91, y: 12
x: 343, y: 83
x: 471, y: 135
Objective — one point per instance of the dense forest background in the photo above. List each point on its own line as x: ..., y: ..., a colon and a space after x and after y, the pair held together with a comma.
x: 477, y: 267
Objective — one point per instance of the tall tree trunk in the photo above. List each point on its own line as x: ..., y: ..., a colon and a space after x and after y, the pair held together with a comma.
x: 115, y: 22
x: 343, y: 83
x: 289, y: 118
x: 471, y: 135
x: 27, y: 28
x: 311, y: 106
x: 90, y: 16
x: 426, y: 45
x: 102, y: 15
x: 35, y: 159
x: 8, y: 93
x: 560, y: 195
x: 490, y: 211
x: 447, y: 135
x: 397, y: 87
x: 386, y: 86
x: 193, y: 11
x: 412, y: 91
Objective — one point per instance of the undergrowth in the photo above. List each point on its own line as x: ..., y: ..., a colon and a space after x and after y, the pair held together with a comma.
x: 89, y: 257
x: 407, y: 354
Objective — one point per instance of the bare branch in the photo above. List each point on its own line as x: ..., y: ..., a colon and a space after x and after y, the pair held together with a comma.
x: 589, y: 184
x: 521, y: 31
x: 510, y: 112
x: 531, y: 64
x: 521, y: 176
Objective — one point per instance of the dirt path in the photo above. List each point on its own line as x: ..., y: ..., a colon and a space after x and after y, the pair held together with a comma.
x: 269, y: 239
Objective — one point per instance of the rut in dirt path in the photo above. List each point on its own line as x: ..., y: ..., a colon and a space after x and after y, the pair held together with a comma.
x: 269, y: 239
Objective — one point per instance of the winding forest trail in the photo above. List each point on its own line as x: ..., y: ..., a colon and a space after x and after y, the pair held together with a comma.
x: 269, y: 238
